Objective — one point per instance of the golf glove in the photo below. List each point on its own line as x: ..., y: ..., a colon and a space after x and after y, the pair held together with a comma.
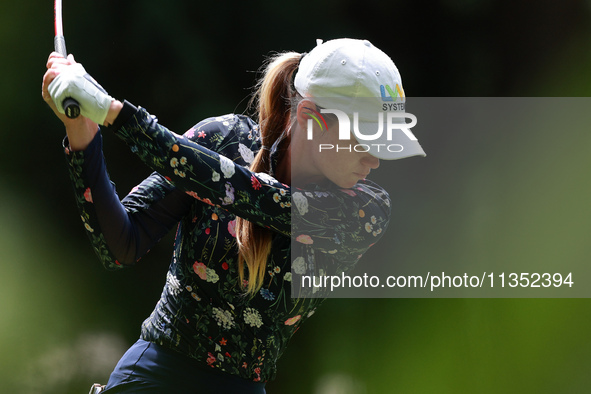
x: 74, y: 82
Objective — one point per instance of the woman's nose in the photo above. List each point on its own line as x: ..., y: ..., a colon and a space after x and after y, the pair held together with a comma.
x: 370, y: 161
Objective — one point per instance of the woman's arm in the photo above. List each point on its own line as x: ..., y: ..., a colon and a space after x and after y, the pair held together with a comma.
x: 333, y: 220
x: 204, y: 174
x: 120, y: 231
x: 341, y: 222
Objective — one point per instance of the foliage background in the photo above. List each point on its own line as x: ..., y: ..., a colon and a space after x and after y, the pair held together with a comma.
x: 64, y: 321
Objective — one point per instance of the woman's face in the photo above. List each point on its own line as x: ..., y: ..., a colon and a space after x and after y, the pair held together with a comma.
x: 338, y: 161
x: 327, y: 157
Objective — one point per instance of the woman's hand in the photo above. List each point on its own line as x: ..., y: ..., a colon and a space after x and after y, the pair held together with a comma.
x: 72, y: 81
x: 55, y: 64
x: 81, y: 130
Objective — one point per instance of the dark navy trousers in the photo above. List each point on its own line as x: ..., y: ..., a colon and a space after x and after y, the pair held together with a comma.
x: 149, y: 368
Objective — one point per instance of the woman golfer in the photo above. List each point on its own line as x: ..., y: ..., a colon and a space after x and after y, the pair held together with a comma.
x: 256, y: 205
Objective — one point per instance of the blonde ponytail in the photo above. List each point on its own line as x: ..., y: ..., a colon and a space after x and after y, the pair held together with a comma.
x: 273, y: 97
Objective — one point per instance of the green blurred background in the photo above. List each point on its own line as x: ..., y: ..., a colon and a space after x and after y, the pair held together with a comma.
x: 64, y: 321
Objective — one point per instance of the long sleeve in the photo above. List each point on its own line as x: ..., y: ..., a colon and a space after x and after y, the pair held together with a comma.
x: 208, y: 176
x: 121, y: 232
x: 340, y: 222
x: 343, y: 222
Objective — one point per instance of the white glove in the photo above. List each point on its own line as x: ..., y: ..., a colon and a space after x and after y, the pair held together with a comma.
x: 75, y: 83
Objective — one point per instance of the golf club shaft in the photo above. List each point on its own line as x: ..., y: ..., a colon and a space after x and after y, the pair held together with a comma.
x: 70, y: 105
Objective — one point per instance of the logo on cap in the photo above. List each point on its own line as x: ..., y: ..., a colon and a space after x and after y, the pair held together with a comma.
x: 391, y: 94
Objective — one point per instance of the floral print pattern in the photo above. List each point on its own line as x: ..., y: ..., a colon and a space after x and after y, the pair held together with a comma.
x: 203, y: 311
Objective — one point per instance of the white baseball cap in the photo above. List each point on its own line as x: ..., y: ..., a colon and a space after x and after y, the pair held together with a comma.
x: 355, y: 77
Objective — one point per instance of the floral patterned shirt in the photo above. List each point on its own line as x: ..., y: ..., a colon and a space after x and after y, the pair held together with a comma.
x: 202, y: 182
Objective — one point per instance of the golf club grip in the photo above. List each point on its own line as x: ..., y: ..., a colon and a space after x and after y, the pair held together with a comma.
x: 71, y: 106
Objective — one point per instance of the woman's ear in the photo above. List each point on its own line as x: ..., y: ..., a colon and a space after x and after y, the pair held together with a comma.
x: 303, y: 113
x: 307, y: 112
